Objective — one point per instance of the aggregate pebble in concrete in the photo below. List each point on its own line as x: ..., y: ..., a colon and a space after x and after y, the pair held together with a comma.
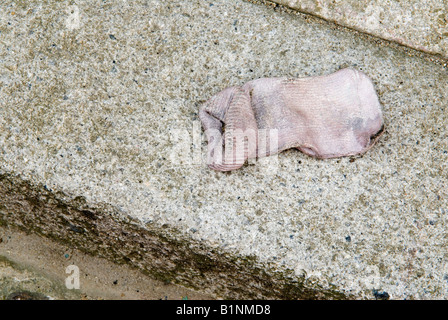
x: 93, y: 96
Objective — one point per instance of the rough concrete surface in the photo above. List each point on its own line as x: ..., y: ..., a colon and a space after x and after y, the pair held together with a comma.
x: 422, y: 25
x: 95, y: 96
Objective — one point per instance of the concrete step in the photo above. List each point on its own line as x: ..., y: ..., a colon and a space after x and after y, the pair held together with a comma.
x: 422, y: 25
x: 101, y: 151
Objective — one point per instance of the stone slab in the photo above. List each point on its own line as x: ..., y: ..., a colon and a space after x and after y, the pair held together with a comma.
x: 422, y: 25
x: 101, y: 149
